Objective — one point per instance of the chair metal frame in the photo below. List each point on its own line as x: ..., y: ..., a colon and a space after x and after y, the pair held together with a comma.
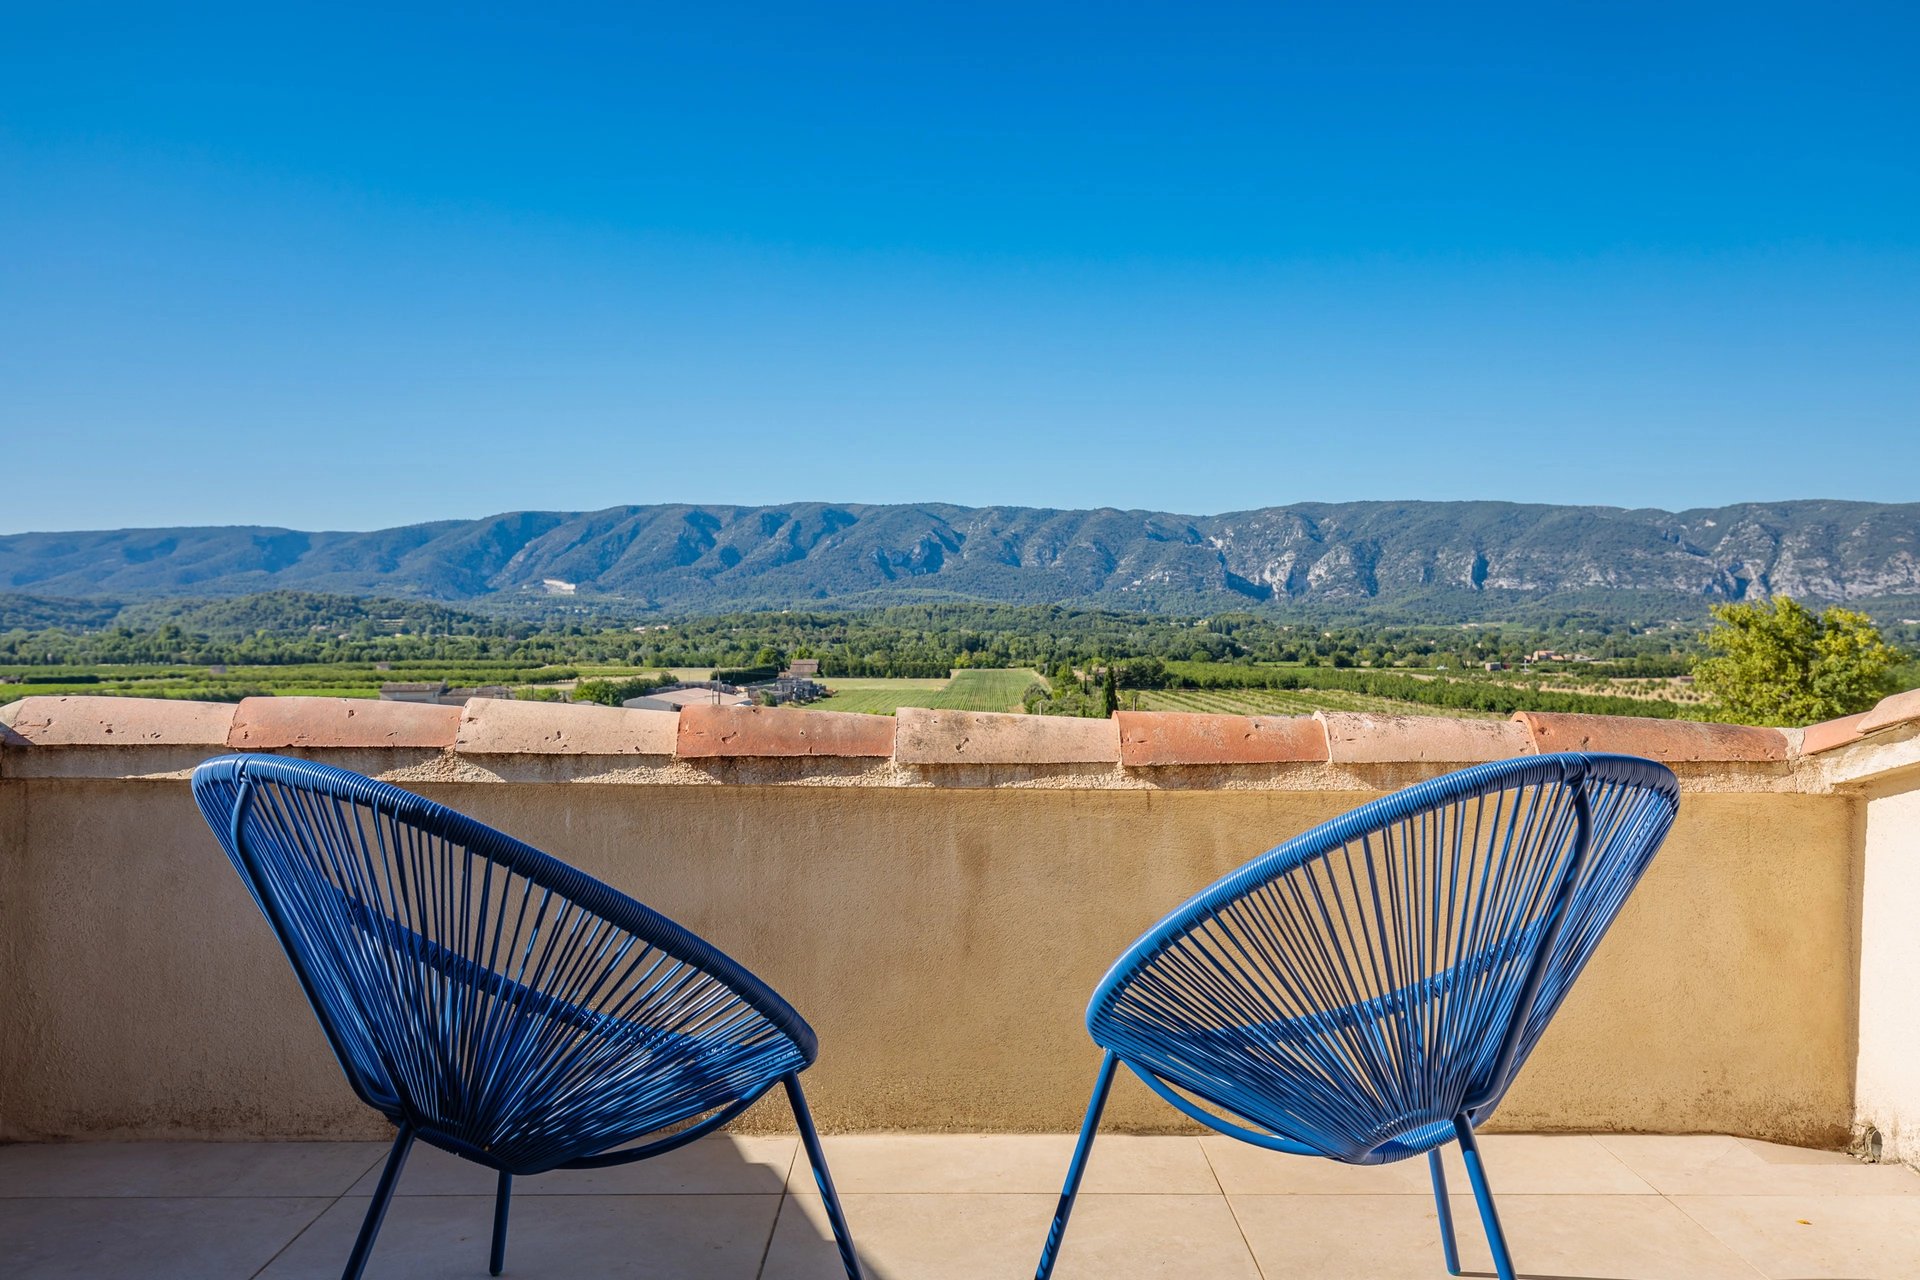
x: 489, y: 999
x: 1367, y: 991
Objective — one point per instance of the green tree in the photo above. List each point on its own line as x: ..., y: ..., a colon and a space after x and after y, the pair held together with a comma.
x: 1109, y: 693
x: 611, y: 693
x: 1140, y: 673
x: 1780, y: 663
x: 1068, y: 696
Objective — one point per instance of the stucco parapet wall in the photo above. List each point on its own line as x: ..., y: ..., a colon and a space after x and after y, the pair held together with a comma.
x: 501, y: 740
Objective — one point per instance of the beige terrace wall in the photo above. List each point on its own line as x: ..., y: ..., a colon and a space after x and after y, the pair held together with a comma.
x: 938, y: 903
x: 1889, y: 1074
x: 1878, y: 760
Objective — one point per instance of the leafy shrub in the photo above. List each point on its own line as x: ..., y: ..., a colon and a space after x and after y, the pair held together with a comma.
x: 611, y: 693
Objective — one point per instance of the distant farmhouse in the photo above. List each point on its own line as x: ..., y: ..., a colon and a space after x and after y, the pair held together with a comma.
x: 436, y: 693
x: 794, y: 685
x: 703, y: 693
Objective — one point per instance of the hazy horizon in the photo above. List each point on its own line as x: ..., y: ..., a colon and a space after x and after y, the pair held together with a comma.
x: 467, y: 518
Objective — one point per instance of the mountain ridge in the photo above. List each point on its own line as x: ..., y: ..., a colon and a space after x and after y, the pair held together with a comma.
x: 682, y: 556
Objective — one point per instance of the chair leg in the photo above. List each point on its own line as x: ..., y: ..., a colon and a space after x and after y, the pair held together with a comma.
x: 497, y: 1259
x: 1483, y: 1196
x: 824, y: 1180
x: 377, y: 1211
x: 1102, y: 1083
x: 1445, y: 1207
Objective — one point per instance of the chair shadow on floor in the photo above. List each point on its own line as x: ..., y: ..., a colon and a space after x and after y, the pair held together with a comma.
x: 727, y: 1207
x: 721, y: 1208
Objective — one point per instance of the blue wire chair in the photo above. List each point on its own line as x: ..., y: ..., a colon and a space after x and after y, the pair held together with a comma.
x: 1367, y: 991
x: 489, y: 999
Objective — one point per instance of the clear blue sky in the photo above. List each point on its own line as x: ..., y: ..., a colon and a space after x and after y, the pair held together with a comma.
x: 342, y: 268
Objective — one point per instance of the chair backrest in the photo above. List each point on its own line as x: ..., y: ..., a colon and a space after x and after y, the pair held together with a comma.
x: 467, y: 981
x: 1355, y: 989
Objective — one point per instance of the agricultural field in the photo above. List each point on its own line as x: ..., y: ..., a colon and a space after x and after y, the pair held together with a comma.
x: 969, y: 690
x: 966, y: 690
x: 877, y: 697
x: 1640, y: 688
x: 319, y: 680
x: 1284, y: 702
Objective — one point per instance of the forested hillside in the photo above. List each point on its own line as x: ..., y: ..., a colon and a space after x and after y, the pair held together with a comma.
x: 1437, y: 561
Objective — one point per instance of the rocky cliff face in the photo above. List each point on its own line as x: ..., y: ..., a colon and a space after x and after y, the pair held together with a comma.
x: 711, y: 556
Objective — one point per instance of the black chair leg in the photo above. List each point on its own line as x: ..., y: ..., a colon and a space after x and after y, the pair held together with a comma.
x: 497, y: 1260
x: 1089, y: 1127
x: 1483, y: 1196
x: 1445, y: 1208
x: 824, y: 1180
x: 377, y: 1211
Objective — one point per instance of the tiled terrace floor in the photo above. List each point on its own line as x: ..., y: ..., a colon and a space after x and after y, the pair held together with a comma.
x: 962, y: 1208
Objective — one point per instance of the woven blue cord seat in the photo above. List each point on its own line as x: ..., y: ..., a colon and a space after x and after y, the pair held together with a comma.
x: 1367, y: 991
x: 491, y: 1000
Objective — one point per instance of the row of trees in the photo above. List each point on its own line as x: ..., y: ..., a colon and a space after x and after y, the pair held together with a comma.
x: 1068, y: 693
x: 1098, y: 693
x: 1775, y: 662
x: 281, y: 628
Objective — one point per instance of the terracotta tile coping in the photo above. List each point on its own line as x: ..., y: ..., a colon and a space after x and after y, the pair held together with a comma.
x: 1132, y: 740
x: 44, y: 721
x: 706, y: 732
x: 990, y: 737
x: 1901, y: 708
x: 1829, y: 734
x: 270, y: 724
x: 501, y: 726
x: 1889, y: 713
x: 1669, y: 741
x: 1150, y: 738
x: 1358, y: 738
